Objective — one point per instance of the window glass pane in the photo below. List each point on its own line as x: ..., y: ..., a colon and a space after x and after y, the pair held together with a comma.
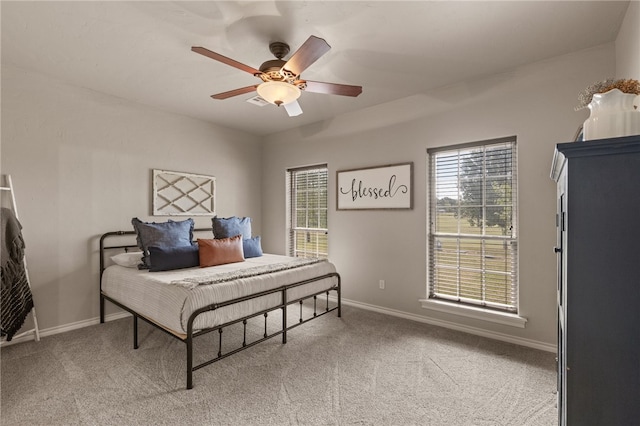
x: 301, y: 218
x: 301, y: 199
x: 446, y: 251
x: 498, y: 160
x: 471, y: 191
x: 471, y: 163
x: 301, y: 238
x: 470, y: 254
x: 313, y: 199
x: 313, y: 219
x: 497, y: 288
x: 498, y: 256
x: 471, y: 284
x: 446, y: 220
x: 498, y: 221
x: 498, y: 191
x: 301, y: 181
x: 447, y: 171
x: 471, y: 220
x: 323, y: 219
x: 322, y: 198
x: 322, y: 243
x: 447, y: 281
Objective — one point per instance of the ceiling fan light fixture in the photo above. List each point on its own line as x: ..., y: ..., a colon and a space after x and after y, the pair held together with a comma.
x: 278, y: 92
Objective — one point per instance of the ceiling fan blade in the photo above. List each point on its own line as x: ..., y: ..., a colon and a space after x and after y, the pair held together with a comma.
x: 307, y: 54
x: 221, y: 58
x: 293, y: 108
x: 235, y: 92
x: 332, y: 88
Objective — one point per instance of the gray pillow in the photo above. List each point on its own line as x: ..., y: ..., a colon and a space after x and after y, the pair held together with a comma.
x: 170, y: 258
x: 166, y: 235
x: 252, y: 247
x: 228, y: 227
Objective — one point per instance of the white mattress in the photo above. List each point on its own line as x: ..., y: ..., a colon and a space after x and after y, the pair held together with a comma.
x: 153, y: 295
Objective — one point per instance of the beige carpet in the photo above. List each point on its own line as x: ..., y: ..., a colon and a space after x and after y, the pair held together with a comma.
x: 363, y: 369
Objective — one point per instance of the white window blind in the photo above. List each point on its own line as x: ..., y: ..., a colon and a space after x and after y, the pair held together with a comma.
x: 308, y: 207
x: 473, y: 254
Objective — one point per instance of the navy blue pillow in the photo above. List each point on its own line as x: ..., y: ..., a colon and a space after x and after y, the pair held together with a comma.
x: 229, y: 227
x: 252, y: 247
x: 165, y: 234
x: 168, y: 258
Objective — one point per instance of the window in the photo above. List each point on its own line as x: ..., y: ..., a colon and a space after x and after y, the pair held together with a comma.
x: 307, y: 211
x: 472, y: 231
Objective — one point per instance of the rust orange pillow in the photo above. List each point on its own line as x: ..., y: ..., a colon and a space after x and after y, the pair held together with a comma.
x: 220, y: 251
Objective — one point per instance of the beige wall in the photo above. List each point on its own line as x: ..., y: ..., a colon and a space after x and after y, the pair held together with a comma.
x: 628, y: 44
x: 535, y: 103
x: 81, y: 164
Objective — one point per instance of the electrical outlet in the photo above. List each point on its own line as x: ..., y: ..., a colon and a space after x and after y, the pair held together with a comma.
x: 381, y: 284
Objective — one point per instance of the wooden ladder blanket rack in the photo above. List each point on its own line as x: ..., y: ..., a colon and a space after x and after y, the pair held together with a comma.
x: 8, y: 187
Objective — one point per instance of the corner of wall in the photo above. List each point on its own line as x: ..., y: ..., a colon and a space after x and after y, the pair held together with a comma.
x: 628, y: 44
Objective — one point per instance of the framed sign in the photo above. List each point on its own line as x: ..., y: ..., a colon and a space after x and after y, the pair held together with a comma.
x: 183, y: 194
x: 372, y: 188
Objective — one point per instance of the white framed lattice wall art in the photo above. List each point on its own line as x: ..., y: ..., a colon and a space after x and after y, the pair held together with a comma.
x: 183, y: 194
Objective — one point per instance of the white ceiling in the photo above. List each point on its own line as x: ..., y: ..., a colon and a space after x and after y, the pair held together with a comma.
x: 140, y: 50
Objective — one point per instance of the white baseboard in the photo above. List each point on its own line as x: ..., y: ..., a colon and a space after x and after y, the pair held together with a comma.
x: 454, y: 326
x: 66, y: 327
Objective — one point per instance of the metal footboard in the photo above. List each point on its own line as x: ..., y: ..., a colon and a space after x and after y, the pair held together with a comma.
x: 192, y: 334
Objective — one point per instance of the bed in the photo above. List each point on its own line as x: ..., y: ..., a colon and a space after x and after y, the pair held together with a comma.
x: 190, y: 302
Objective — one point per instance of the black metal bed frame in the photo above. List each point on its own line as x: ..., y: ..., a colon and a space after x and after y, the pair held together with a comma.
x: 191, y: 333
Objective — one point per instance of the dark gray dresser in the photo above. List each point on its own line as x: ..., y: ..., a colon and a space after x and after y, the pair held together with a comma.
x: 598, y: 248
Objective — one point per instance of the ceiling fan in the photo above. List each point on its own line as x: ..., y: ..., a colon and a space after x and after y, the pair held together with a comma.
x: 281, y: 80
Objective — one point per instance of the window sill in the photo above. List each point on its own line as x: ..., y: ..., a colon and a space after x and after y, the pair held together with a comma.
x: 504, y: 318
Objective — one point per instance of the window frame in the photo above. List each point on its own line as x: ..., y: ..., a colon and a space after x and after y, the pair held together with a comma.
x: 315, y: 236
x: 479, y: 307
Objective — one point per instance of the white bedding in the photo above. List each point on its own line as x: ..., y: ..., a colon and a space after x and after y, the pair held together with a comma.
x: 152, y: 294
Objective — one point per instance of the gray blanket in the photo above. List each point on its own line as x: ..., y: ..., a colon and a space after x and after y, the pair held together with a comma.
x: 216, y: 278
x: 15, y: 295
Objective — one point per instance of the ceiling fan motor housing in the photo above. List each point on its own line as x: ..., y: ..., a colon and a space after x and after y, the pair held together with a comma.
x: 273, y: 70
